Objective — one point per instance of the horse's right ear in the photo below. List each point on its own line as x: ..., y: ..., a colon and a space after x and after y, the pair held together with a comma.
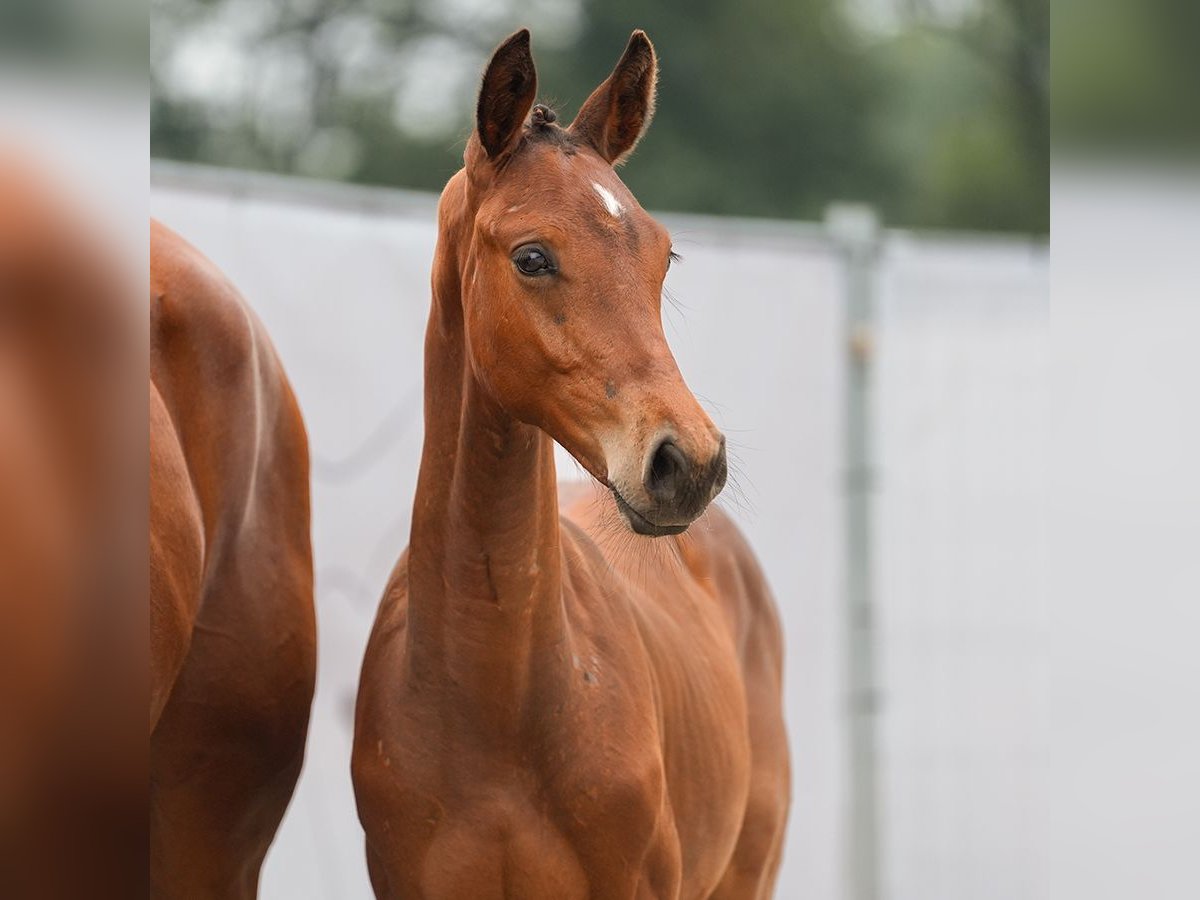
x: 509, y: 87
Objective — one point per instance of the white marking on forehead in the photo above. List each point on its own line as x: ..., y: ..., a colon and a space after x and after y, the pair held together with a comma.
x: 611, y: 203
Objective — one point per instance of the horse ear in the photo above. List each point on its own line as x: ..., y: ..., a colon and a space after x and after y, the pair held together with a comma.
x: 509, y: 86
x: 617, y: 113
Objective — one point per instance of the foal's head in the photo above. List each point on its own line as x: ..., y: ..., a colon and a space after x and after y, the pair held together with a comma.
x: 562, y: 277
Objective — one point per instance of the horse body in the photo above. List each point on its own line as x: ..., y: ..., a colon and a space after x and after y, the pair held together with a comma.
x: 551, y: 707
x: 232, y: 621
x: 629, y: 769
x: 72, y: 576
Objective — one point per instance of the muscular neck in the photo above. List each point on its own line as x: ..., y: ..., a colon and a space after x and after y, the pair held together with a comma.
x: 484, y: 567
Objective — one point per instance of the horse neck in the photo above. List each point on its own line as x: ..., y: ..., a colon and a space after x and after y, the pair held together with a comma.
x: 484, y: 564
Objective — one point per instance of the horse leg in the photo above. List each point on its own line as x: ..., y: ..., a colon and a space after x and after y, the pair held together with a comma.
x: 229, y: 747
x: 377, y: 872
x: 209, y: 836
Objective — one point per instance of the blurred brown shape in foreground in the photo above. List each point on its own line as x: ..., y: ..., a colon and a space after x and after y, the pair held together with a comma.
x: 73, y: 606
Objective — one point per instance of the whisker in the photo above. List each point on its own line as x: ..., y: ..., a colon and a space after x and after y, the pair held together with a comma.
x: 741, y: 445
x: 736, y: 487
x: 709, y: 402
x: 673, y: 299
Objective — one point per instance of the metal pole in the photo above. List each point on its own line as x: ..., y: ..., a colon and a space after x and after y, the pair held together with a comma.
x: 855, y: 230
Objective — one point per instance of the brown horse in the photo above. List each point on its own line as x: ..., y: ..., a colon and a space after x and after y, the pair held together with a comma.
x: 73, y: 644
x: 551, y: 707
x: 232, y: 624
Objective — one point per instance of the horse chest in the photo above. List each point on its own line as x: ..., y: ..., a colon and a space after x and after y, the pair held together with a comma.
x: 529, y: 831
x: 505, y: 846
x: 501, y: 851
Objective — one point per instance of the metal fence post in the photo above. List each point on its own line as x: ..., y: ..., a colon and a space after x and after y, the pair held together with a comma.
x: 855, y: 231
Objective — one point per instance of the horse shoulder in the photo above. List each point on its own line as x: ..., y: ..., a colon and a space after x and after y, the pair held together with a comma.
x: 741, y: 589
x: 707, y: 630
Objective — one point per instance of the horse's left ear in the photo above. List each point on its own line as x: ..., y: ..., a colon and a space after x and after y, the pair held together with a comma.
x: 615, y: 116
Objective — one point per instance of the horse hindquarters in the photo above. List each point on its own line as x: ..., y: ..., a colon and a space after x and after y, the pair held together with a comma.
x: 226, y: 757
x: 176, y: 557
x: 230, y: 742
x: 228, y: 746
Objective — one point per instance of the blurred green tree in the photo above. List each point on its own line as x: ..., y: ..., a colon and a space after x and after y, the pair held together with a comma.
x: 1125, y: 77
x: 766, y: 107
x: 969, y: 101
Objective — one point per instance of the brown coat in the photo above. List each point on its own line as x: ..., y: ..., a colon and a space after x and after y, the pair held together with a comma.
x: 553, y: 706
x: 232, y: 625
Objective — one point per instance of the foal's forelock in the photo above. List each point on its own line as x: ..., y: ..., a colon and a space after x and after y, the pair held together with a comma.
x: 542, y: 129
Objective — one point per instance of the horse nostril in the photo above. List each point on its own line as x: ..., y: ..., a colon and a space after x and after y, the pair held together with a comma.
x: 667, y: 472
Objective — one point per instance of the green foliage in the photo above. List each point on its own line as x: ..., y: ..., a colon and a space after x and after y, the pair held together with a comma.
x: 972, y: 157
x: 766, y: 107
x: 1125, y: 75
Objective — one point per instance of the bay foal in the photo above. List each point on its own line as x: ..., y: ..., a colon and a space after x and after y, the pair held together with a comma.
x: 232, y: 626
x: 547, y: 711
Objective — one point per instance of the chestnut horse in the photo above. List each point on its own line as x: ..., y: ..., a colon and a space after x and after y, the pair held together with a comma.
x: 73, y: 642
x: 549, y: 707
x: 232, y: 625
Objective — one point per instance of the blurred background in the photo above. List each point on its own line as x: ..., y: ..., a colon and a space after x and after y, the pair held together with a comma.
x: 933, y: 110
x: 860, y: 194
x: 979, y: 510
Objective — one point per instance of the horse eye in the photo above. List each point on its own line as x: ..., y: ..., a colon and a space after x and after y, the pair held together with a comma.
x: 533, y: 260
